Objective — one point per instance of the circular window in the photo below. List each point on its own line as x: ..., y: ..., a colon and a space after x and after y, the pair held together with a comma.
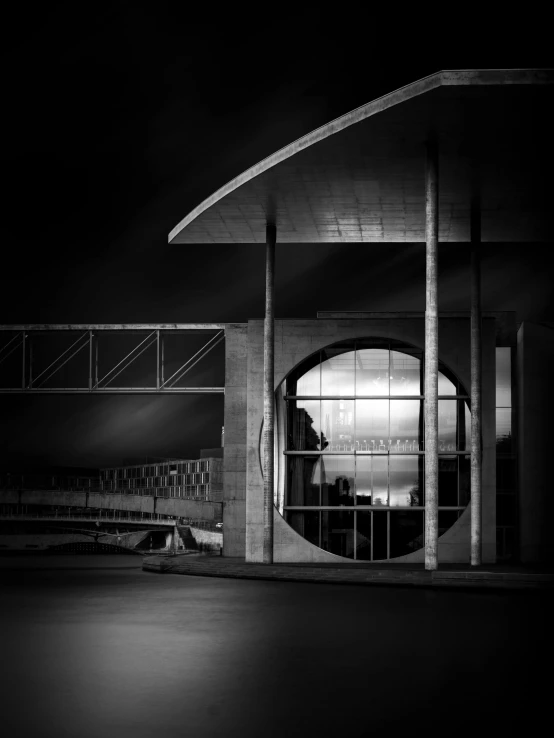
x: 354, y: 449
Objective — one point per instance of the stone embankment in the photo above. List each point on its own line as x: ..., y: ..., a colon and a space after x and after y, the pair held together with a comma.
x: 198, y: 539
x: 396, y: 575
x: 45, y: 541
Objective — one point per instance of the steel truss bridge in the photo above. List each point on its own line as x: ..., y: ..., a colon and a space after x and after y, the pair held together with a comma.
x: 22, y: 371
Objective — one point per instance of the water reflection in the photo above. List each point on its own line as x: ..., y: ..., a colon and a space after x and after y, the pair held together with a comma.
x: 128, y: 654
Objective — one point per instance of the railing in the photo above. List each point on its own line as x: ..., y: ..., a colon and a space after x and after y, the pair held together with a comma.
x: 104, y: 515
x: 202, y: 524
x: 165, y: 492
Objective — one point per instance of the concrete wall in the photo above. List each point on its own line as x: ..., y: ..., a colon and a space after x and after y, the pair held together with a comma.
x: 535, y: 404
x: 216, y: 479
x: 43, y: 541
x: 234, y: 451
x: 207, y: 537
x: 295, y: 340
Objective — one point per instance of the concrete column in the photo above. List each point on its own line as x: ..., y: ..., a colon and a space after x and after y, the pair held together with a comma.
x: 175, y: 540
x: 476, y: 434
x: 269, y: 401
x: 431, y: 356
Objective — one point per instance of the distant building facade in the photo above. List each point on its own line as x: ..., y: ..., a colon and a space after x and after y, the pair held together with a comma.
x: 186, y: 479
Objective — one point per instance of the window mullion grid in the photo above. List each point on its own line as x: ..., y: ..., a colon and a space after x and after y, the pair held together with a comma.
x: 459, y: 398
x: 372, y: 397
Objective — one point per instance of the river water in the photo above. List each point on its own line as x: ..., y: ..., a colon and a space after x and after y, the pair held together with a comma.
x: 93, y: 646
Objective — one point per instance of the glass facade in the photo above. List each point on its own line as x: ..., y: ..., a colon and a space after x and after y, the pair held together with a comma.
x: 355, y: 449
x: 194, y: 479
x: 506, y: 469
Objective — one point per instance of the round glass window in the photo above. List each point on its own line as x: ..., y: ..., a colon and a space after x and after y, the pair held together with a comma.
x: 354, y: 449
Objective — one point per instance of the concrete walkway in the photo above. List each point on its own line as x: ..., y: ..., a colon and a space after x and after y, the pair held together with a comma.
x: 453, y: 575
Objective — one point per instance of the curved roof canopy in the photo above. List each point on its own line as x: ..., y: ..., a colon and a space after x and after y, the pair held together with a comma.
x: 361, y: 177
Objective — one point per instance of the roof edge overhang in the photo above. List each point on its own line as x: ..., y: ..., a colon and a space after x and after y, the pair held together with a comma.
x: 461, y: 77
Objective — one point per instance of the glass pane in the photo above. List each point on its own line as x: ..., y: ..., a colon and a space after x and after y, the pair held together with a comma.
x: 337, y: 480
x: 406, y: 532
x: 448, y: 481
x: 363, y: 536
x: 304, y: 425
x: 337, y: 425
x: 337, y: 371
x: 372, y: 425
x: 372, y: 372
x: 503, y: 377
x: 363, y: 480
x: 306, y: 379
x: 310, y: 383
x: 446, y: 386
x: 464, y: 430
x: 304, y: 473
x: 447, y: 425
x: 464, y: 480
x: 503, y: 430
x: 405, y: 481
x: 380, y: 480
x: 405, y: 422
x: 337, y: 533
x: 405, y: 373
x: 305, y: 523
x: 380, y: 545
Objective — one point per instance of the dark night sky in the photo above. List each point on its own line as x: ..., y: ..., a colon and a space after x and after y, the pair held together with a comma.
x: 117, y: 122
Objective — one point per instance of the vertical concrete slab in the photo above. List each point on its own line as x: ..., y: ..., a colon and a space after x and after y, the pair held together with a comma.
x: 269, y: 393
x: 431, y: 355
x: 254, y: 476
x: 234, y: 451
x: 535, y: 401
x: 488, y: 427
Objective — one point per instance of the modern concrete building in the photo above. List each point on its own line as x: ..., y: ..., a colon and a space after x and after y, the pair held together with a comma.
x: 186, y: 479
x: 349, y: 440
x: 397, y: 436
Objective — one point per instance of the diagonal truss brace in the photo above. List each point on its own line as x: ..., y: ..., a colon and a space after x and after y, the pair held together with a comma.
x: 187, y: 366
x: 128, y: 360
x: 16, y: 341
x: 33, y: 382
x: 89, y: 337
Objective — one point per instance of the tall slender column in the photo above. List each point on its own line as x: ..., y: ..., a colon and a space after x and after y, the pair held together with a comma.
x: 431, y: 356
x: 269, y: 355
x: 476, y: 438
